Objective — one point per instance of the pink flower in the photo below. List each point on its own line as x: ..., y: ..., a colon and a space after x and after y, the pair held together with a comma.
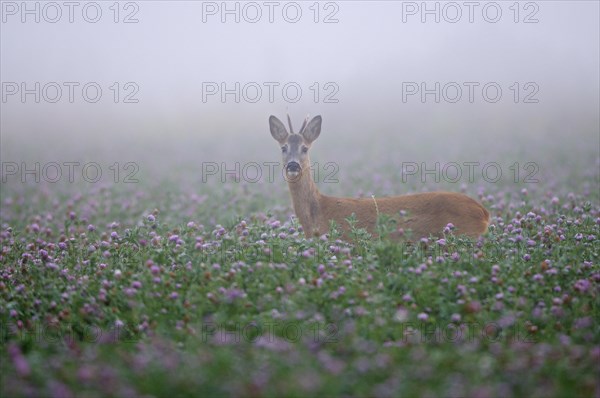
x: 582, y: 285
x: 19, y: 361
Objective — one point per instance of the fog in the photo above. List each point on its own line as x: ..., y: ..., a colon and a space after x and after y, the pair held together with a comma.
x: 363, y: 66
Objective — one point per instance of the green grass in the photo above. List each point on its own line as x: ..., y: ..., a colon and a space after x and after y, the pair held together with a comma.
x: 251, y: 308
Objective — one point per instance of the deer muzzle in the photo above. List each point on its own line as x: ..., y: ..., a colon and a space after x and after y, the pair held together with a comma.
x: 293, y: 169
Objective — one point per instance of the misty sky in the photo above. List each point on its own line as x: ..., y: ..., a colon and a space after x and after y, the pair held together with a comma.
x: 360, y: 65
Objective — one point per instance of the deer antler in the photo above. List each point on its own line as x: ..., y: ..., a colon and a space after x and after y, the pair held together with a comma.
x: 290, y: 124
x: 304, y: 124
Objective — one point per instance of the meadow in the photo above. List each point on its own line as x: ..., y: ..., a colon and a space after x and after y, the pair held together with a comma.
x: 198, y: 284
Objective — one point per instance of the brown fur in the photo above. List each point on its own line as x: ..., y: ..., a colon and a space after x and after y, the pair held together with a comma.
x: 426, y: 213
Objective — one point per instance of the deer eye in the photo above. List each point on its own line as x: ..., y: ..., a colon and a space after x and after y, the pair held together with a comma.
x: 284, y: 149
x: 304, y: 149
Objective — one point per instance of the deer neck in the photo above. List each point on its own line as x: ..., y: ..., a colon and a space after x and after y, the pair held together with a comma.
x: 305, y: 199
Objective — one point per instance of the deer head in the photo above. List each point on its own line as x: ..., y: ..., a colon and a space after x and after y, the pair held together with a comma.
x: 294, y: 147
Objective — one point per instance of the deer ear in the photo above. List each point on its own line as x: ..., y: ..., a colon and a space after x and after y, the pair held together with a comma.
x: 278, y: 130
x: 312, y: 130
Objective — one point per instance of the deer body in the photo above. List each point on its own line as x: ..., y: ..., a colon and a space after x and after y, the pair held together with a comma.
x: 426, y: 213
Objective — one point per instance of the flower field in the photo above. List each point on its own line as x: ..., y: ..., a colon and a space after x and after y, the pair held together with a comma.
x: 175, y: 287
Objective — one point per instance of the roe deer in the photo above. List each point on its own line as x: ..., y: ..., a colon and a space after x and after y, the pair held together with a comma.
x: 427, y: 213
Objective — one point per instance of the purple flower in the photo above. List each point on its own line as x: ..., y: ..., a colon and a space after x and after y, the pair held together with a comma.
x: 422, y: 316
x: 52, y: 266
x: 234, y: 294
x: 582, y: 285
x: 583, y: 323
x: 275, y: 224
x: 19, y: 361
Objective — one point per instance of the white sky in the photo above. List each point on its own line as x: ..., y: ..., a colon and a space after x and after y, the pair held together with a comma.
x: 171, y: 55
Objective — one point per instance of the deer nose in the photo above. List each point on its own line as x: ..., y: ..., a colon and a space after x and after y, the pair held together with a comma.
x: 293, y: 167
